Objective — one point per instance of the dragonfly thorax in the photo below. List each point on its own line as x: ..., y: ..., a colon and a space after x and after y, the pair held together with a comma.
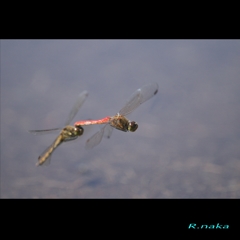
x: 71, y: 133
x: 121, y: 123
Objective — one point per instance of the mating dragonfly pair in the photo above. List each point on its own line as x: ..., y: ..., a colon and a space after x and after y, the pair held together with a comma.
x: 119, y: 121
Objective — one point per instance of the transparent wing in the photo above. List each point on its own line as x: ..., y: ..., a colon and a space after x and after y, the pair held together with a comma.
x: 95, y: 139
x: 45, y: 131
x: 80, y: 100
x: 138, y: 97
x: 108, y: 131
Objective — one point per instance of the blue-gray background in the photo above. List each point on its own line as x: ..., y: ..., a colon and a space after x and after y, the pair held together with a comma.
x: 188, y: 141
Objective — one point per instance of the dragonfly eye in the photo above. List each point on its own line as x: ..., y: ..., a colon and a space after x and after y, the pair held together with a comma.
x: 132, y: 126
x: 79, y: 129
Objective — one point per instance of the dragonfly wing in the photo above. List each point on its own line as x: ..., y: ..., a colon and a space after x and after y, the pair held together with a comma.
x: 138, y: 97
x: 95, y: 139
x: 108, y: 131
x: 45, y: 131
x: 80, y: 100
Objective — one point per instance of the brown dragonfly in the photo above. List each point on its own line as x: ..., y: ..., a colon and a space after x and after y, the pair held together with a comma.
x: 68, y: 133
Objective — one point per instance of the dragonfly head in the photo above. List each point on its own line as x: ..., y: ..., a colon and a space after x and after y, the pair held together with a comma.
x: 132, y: 126
x: 79, y: 130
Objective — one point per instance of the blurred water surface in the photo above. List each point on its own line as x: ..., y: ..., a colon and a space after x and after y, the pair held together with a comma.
x: 187, y: 143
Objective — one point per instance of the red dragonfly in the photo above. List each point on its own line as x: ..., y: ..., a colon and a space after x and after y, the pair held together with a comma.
x: 119, y: 121
x: 68, y: 133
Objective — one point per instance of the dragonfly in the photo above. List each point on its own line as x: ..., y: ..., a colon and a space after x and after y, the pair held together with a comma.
x: 119, y: 121
x: 68, y: 133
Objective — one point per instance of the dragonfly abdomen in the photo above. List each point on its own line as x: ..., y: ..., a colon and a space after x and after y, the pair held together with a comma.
x: 43, y: 158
